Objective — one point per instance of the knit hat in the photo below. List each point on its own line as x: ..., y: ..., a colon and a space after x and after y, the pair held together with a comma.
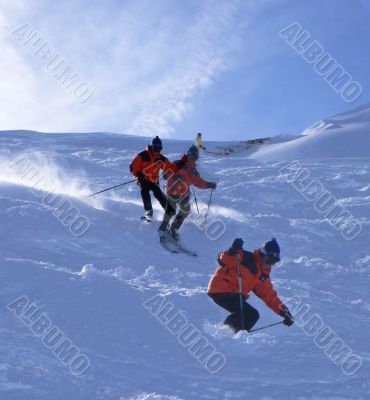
x: 193, y: 153
x: 272, y: 250
x: 157, y: 144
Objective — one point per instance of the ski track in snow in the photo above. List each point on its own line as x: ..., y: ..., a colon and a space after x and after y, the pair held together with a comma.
x: 93, y: 286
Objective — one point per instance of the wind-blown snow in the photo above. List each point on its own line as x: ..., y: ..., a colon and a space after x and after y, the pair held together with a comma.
x: 94, y: 286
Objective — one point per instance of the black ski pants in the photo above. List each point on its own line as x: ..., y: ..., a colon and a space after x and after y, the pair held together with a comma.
x: 148, y: 187
x: 183, y: 204
x: 231, y: 303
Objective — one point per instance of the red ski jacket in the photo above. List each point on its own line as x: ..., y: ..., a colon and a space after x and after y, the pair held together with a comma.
x: 254, y: 278
x: 178, y: 184
x: 150, y: 164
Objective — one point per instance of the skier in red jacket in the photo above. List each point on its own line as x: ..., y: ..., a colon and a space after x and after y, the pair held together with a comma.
x: 178, y: 192
x: 145, y: 167
x: 255, y: 267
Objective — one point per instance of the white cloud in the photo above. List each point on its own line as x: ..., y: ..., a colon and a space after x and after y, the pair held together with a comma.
x: 146, y: 63
x: 203, y: 56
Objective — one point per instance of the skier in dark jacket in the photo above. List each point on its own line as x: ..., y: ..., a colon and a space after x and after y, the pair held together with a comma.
x: 178, y: 192
x: 145, y: 167
x: 255, y: 267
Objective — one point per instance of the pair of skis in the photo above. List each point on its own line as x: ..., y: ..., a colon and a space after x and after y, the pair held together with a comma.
x: 170, y: 244
x: 176, y: 247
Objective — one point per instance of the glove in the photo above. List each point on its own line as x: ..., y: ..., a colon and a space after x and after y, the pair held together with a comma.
x: 212, y: 185
x: 236, y: 247
x: 288, y: 317
x: 237, y: 244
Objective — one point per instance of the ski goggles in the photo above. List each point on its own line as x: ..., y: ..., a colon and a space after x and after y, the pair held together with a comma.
x: 270, y: 257
x: 157, y: 148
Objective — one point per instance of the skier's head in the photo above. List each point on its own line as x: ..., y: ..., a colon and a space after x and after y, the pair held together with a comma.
x: 270, y: 252
x: 193, y: 153
x: 199, y: 134
x: 156, y: 145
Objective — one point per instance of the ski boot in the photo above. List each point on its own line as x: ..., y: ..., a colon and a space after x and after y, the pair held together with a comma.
x: 173, y: 232
x: 162, y: 236
x: 148, y: 217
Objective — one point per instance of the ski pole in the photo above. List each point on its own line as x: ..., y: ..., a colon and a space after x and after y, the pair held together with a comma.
x: 196, y: 202
x: 267, y: 326
x: 209, y: 204
x: 242, y: 315
x: 104, y: 190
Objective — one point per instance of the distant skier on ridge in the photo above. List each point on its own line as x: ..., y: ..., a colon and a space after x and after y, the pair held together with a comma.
x: 145, y: 167
x: 199, y: 142
x: 251, y: 271
x: 178, y: 193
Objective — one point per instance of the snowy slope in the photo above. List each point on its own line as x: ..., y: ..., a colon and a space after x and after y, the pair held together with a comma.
x: 94, y: 286
x: 345, y: 135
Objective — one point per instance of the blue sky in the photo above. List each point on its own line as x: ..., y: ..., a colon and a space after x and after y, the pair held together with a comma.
x: 177, y: 67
